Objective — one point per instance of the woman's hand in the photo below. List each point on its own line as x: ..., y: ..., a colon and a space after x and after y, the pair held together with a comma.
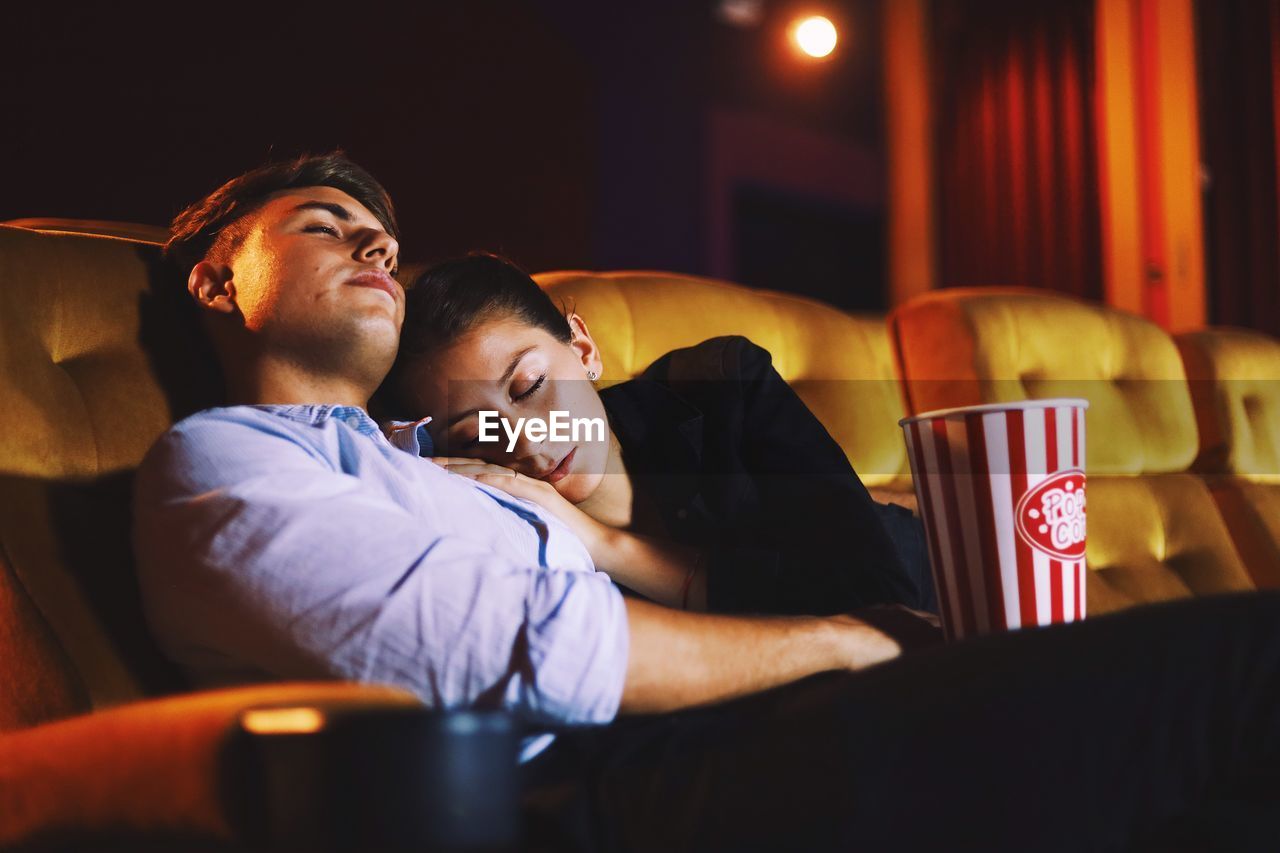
x: 663, y: 571
x: 594, y: 535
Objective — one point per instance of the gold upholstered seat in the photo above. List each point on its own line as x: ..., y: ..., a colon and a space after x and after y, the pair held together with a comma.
x: 1154, y: 529
x: 95, y: 362
x: 1235, y: 386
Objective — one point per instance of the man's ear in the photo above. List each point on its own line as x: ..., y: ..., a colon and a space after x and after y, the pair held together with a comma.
x: 585, y: 346
x: 212, y: 287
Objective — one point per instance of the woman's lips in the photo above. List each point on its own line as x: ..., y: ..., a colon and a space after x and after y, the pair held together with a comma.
x: 561, y: 470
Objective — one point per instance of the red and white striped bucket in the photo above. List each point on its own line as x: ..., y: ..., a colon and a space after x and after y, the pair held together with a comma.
x: 1002, y: 494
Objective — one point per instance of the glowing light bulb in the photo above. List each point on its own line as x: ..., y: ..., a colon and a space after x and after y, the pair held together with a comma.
x: 816, y: 36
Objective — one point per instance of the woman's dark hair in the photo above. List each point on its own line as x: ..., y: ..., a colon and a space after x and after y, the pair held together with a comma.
x: 453, y: 297
x: 214, y: 226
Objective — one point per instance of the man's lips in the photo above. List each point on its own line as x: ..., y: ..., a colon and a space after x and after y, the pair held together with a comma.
x: 378, y: 280
x: 561, y: 470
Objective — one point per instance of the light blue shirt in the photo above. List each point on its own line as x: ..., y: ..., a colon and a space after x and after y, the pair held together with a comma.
x: 296, y: 542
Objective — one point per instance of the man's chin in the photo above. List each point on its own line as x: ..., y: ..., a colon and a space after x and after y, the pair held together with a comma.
x: 373, y: 330
x: 359, y: 346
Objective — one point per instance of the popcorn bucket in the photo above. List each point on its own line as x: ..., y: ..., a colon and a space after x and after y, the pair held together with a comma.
x: 1001, y: 490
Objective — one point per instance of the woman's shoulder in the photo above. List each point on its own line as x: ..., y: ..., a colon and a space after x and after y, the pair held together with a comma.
x: 728, y: 357
x: 706, y: 380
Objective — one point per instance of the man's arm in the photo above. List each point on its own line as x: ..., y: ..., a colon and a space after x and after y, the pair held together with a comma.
x: 680, y: 659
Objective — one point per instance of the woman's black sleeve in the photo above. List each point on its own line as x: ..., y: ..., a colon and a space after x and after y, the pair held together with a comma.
x: 820, y: 545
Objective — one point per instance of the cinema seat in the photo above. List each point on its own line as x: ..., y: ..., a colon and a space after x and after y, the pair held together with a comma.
x: 1154, y: 528
x: 158, y: 774
x: 95, y: 362
x: 1235, y: 387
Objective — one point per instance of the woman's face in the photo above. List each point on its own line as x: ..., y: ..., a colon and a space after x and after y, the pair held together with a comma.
x: 519, y: 371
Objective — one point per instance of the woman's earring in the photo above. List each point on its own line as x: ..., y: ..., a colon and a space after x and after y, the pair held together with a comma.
x: 591, y: 374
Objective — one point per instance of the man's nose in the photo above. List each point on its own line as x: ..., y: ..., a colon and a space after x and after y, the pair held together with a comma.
x: 381, y: 248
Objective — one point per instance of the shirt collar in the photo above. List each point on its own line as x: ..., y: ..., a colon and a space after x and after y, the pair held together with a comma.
x: 317, y: 413
x: 410, y: 436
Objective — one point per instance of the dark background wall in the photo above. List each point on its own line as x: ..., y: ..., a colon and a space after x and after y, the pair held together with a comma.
x: 479, y: 123
x: 566, y: 133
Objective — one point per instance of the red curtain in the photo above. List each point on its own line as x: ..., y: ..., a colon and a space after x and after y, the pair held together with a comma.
x: 1239, y: 103
x: 1017, y: 165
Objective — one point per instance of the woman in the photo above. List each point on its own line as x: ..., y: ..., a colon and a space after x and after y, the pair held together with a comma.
x: 709, y: 484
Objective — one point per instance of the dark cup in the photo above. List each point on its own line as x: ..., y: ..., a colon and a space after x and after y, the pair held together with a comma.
x: 347, y: 779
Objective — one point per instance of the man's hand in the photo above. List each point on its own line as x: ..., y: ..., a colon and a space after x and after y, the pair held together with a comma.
x: 860, y: 643
x: 911, y: 629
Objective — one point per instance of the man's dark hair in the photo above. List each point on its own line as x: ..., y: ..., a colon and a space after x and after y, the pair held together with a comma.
x: 212, y: 227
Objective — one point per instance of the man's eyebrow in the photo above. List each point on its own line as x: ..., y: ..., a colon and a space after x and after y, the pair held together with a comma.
x: 511, y: 368
x: 336, y: 209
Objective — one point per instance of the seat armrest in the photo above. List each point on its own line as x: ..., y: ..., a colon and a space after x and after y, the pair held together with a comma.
x: 150, y: 768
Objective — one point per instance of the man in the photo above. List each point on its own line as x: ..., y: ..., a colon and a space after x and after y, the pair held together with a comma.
x: 284, y: 537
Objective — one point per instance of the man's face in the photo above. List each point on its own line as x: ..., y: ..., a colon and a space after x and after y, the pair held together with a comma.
x: 313, y: 277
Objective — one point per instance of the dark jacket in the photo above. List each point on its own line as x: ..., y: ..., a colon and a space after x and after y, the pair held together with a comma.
x: 737, y: 464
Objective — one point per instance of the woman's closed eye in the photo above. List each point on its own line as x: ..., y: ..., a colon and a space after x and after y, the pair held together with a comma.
x: 321, y: 228
x: 532, y: 389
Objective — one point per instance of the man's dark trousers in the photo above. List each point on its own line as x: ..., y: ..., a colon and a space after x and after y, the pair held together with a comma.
x: 1153, y: 729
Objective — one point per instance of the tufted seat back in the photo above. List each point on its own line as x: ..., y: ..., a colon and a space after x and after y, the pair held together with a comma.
x: 839, y: 364
x: 1154, y: 532
x: 1235, y: 387
x: 995, y: 345
x: 96, y: 360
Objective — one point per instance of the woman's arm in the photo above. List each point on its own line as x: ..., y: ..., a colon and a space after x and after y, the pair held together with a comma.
x: 668, y: 573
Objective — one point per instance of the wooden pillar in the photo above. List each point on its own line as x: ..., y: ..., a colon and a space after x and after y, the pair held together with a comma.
x: 1149, y: 160
x: 912, y: 251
